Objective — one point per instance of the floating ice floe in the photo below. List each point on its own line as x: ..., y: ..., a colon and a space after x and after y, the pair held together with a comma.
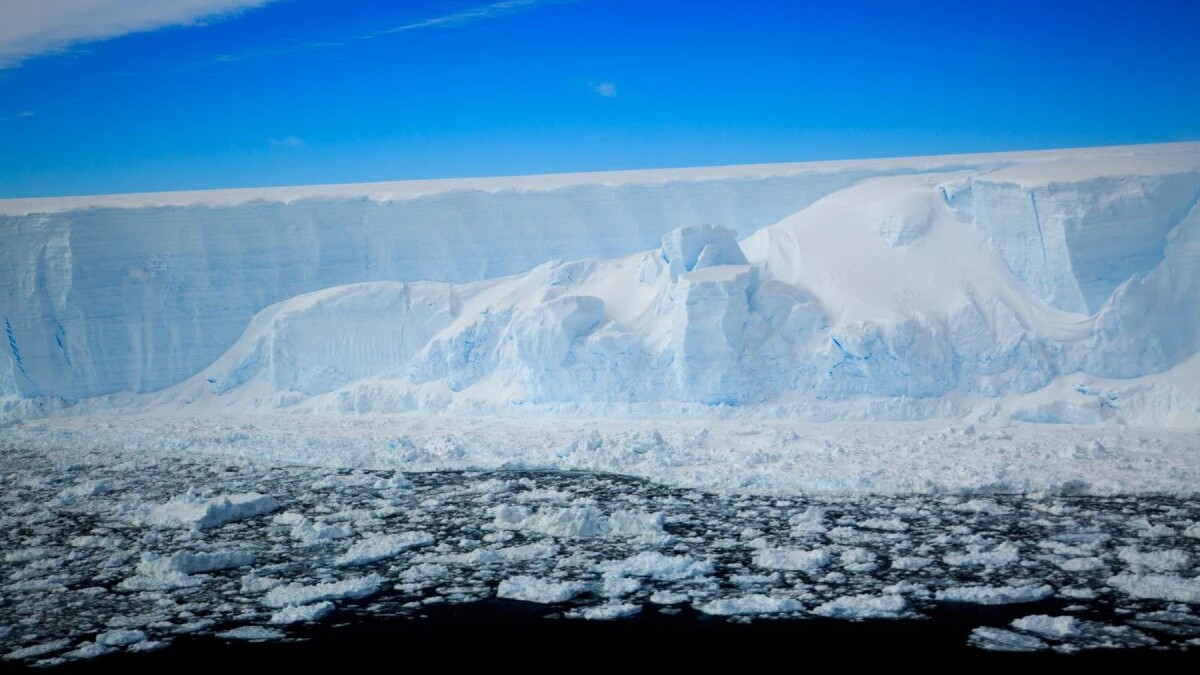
x: 252, y: 634
x: 578, y: 521
x: 545, y: 591
x: 301, y: 613
x: 1001, y: 640
x: 792, y: 559
x: 606, y: 612
x: 658, y: 566
x: 304, y: 594
x: 382, y: 546
x: 188, y: 510
x: 995, y: 595
x: 1057, y: 627
x: 863, y: 606
x: 1003, y: 554
x: 312, y: 532
x: 191, y: 563
x: 1162, y: 560
x: 1158, y: 587
x: 755, y: 603
x: 726, y: 555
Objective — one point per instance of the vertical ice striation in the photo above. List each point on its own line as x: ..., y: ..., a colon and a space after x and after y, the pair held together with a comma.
x: 1075, y: 242
x: 105, y: 299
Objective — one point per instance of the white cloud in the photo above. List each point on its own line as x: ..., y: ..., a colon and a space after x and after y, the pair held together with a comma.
x: 605, y: 89
x: 14, y: 116
x: 32, y: 27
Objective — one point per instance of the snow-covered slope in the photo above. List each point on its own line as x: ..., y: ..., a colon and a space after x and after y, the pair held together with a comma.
x: 905, y: 288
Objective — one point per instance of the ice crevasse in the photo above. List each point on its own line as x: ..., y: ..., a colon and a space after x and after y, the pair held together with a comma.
x: 1051, y: 287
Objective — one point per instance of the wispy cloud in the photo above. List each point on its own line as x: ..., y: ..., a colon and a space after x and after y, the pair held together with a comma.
x: 286, y: 142
x: 17, y: 116
x: 605, y: 89
x: 31, y: 28
x: 37, y: 27
x: 461, y: 17
x: 466, y: 16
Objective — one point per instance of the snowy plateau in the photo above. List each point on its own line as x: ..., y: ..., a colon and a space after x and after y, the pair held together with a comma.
x: 844, y: 391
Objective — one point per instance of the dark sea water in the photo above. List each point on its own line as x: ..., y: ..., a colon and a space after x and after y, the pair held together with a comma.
x: 510, y: 634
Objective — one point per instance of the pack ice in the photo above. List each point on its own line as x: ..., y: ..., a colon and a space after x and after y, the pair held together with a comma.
x: 1054, y: 286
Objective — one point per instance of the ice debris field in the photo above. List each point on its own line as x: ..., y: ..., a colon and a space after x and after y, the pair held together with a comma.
x: 120, y: 550
x: 896, y: 337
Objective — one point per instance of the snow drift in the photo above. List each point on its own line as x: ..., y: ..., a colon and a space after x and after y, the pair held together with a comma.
x: 1046, y: 286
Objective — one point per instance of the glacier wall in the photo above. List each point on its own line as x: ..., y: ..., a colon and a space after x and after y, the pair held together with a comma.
x: 1075, y: 241
x: 885, y: 290
x: 907, y: 278
x: 110, y: 299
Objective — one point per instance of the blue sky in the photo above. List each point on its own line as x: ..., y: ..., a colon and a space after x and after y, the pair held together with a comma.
x: 144, y: 95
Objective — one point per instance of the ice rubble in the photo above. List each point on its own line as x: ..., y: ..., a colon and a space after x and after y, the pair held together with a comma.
x: 1042, y: 287
x: 103, y: 580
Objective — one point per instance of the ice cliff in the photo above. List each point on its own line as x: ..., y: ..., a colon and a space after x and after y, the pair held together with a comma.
x: 135, y: 293
x: 1061, y: 282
